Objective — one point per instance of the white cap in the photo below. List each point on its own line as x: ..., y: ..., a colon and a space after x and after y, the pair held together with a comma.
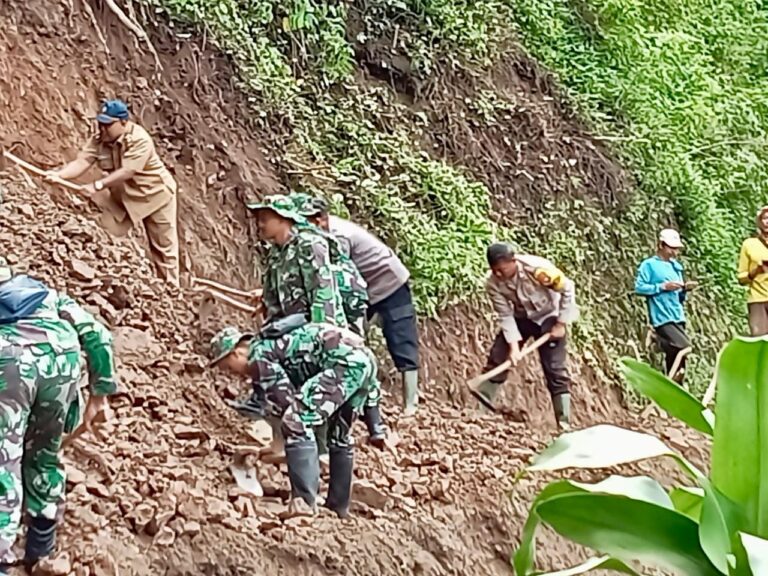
x: 671, y: 238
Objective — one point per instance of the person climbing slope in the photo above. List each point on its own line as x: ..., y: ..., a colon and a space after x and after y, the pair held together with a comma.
x: 531, y: 297
x: 388, y: 290
x: 753, y: 272
x: 660, y: 279
x: 42, y: 334
x: 331, y: 371
x: 140, y: 187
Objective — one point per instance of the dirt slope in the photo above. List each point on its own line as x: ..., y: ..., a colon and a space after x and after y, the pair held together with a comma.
x: 161, y: 500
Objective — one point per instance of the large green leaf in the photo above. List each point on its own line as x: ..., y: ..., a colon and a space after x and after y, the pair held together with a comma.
x: 669, y: 396
x: 629, y: 530
x: 720, y: 522
x: 604, y: 446
x: 740, y: 445
x: 688, y: 500
x: 757, y: 553
x: 602, y: 563
x: 639, y: 487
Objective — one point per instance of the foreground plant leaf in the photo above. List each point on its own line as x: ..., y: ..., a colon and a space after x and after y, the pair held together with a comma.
x: 604, y: 446
x: 720, y: 522
x: 639, y: 487
x: 688, y: 500
x: 669, y: 396
x: 629, y: 530
x: 757, y: 553
x: 740, y: 445
x: 602, y: 563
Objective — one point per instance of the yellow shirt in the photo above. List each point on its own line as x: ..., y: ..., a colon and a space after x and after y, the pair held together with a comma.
x: 150, y: 188
x: 754, y: 253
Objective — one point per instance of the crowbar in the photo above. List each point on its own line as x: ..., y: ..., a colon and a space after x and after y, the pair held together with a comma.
x: 503, y: 367
x: 39, y: 172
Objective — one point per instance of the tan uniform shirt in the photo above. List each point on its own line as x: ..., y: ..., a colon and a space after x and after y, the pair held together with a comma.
x: 151, y: 187
x: 538, y: 291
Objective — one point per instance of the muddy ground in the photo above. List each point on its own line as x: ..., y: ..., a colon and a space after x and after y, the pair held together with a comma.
x: 155, y: 495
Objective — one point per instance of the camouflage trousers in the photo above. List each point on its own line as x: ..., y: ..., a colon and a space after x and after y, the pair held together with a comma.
x: 37, y: 390
x: 333, y: 396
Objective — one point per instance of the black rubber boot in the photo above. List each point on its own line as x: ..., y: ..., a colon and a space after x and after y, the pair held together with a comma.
x: 340, y: 485
x: 41, y: 540
x: 377, y: 432
x: 304, y: 473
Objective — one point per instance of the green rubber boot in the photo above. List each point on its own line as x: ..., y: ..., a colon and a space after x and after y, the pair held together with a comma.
x: 562, y: 405
x: 410, y: 392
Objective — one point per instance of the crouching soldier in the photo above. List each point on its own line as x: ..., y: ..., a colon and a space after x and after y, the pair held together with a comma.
x: 42, y: 334
x: 331, y: 371
x: 531, y: 297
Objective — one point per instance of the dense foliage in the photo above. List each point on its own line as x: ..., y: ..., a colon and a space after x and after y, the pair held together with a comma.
x: 680, y: 91
x: 713, y: 524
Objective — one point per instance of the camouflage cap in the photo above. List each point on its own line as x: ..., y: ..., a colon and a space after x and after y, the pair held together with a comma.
x: 224, y: 343
x: 307, y: 205
x: 6, y: 272
x: 280, y: 204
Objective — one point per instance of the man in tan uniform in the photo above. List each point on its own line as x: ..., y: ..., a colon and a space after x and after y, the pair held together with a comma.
x: 137, y: 188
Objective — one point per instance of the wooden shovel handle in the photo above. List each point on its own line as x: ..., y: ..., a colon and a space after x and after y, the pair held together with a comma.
x: 40, y: 172
x: 228, y: 289
x: 504, y: 366
x: 229, y: 300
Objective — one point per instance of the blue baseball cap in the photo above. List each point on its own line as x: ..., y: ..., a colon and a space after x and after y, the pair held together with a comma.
x: 112, y: 111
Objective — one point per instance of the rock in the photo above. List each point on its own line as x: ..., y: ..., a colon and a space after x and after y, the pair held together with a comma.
x: 165, y: 537
x: 218, y: 510
x: 369, y: 494
x: 142, y: 515
x: 75, y: 476
x: 192, y: 528
x: 57, y: 566
x: 136, y: 346
x: 183, y: 432
x: 97, y: 489
x: 81, y: 270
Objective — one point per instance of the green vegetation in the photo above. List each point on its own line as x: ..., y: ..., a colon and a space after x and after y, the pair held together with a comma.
x: 717, y: 526
x: 681, y: 91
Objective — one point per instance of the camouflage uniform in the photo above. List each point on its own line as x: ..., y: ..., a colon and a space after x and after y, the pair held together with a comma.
x: 352, y: 285
x: 332, y: 370
x: 41, y: 334
x: 299, y: 277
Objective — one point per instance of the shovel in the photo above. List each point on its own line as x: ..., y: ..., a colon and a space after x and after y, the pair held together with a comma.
x: 504, y: 366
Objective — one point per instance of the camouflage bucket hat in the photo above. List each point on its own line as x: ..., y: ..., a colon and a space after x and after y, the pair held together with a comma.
x: 6, y: 273
x: 307, y: 205
x: 224, y: 342
x: 280, y: 204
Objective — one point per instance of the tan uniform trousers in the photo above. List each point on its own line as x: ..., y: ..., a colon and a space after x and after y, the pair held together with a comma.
x: 758, y: 318
x: 162, y: 233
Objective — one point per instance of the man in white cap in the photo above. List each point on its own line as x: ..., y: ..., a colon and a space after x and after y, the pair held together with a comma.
x: 660, y: 279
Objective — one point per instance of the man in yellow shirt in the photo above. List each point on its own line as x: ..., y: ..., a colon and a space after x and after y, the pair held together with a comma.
x: 753, y: 272
x: 137, y: 187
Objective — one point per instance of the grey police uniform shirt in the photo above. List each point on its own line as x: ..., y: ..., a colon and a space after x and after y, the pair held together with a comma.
x: 377, y: 262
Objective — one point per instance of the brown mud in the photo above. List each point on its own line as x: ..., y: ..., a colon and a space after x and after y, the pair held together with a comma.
x: 155, y: 494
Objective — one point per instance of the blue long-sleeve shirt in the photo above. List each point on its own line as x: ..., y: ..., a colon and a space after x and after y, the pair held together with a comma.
x: 663, y: 306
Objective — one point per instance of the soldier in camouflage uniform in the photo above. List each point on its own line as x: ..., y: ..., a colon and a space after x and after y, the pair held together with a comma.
x: 329, y: 371
x: 42, y: 334
x: 306, y: 272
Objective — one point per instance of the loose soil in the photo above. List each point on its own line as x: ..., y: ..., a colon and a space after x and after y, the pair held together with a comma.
x: 154, y: 494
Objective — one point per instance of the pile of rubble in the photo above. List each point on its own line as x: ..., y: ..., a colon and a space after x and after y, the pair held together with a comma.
x: 174, y: 460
